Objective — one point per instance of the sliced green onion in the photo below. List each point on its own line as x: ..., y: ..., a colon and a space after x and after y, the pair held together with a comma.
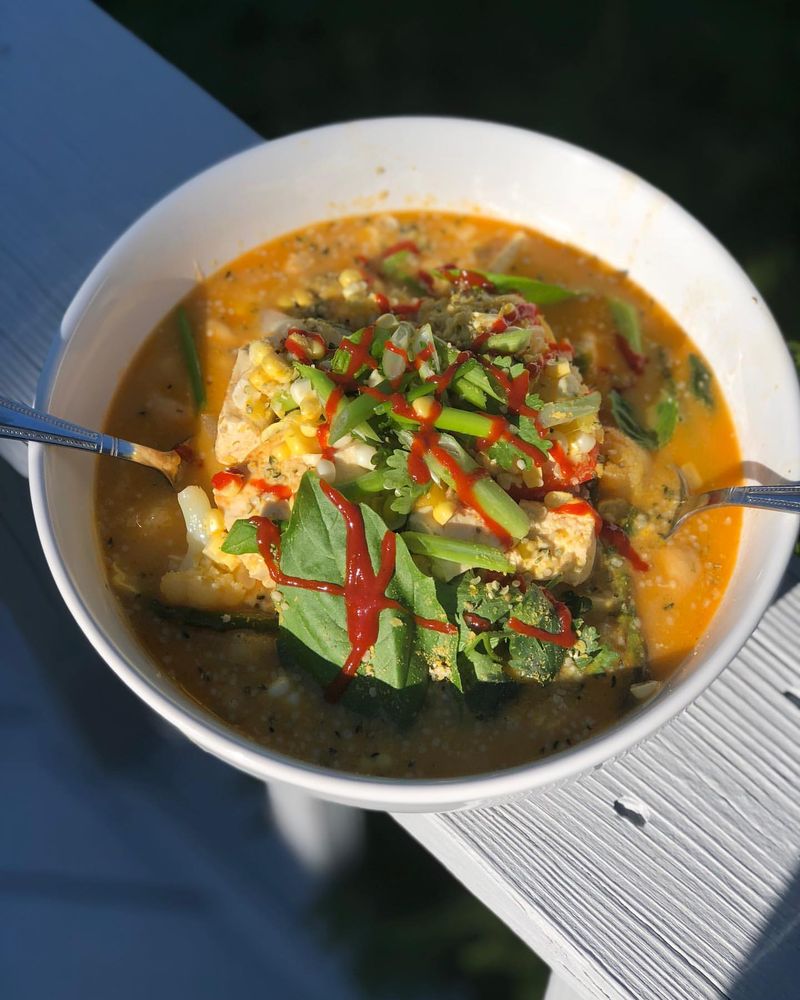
x: 353, y: 413
x: 489, y: 495
x: 541, y: 293
x: 512, y: 341
x: 190, y: 356
x: 470, y: 554
x: 323, y: 387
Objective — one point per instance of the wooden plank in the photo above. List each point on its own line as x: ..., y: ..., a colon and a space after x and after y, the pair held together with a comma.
x: 691, y: 900
x: 94, y: 128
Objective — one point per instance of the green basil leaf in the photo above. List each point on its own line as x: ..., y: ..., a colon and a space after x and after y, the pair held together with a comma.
x: 626, y: 421
x: 700, y: 380
x: 314, y: 633
x: 241, y: 539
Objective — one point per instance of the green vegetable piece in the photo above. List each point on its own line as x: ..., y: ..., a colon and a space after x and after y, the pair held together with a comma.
x: 626, y: 421
x: 531, y: 659
x: 512, y: 341
x: 340, y: 362
x: 492, y: 498
x: 667, y: 413
x: 219, y: 621
x: 541, y: 293
x: 284, y: 400
x: 323, y: 387
x: 352, y: 414
x: 481, y: 657
x: 397, y: 481
x: 313, y: 632
x: 626, y: 320
x: 400, y: 268
x: 700, y: 381
x: 562, y: 411
x: 241, y: 539
x: 191, y: 358
x: 470, y: 554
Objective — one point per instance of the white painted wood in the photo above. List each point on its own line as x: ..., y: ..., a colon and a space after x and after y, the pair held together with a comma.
x: 700, y: 902
x: 323, y: 836
x: 703, y: 900
x: 560, y: 989
x: 94, y: 128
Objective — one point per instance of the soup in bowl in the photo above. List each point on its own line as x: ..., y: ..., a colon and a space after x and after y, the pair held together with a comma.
x: 431, y: 445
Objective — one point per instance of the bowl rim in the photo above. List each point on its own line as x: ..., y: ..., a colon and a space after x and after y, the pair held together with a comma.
x: 404, y: 794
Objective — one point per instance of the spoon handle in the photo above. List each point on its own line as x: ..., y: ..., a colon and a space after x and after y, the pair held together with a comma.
x: 26, y: 424
x: 785, y: 497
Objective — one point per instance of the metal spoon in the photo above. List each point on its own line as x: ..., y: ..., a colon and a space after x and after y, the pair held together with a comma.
x: 26, y: 424
x: 785, y: 497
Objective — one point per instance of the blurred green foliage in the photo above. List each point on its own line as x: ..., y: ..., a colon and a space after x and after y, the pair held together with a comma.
x: 700, y: 98
x: 411, y: 930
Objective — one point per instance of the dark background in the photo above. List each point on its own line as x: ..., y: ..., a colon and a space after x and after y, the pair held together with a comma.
x: 698, y: 98
x: 701, y: 98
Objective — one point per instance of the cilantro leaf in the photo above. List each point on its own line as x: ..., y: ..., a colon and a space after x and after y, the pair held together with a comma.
x: 397, y: 480
x: 530, y: 434
x: 531, y: 658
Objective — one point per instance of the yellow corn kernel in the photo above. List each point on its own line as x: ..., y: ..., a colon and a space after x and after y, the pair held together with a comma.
x: 309, y: 430
x: 297, y: 445
x: 434, y: 496
x: 216, y: 522
x: 258, y: 352
x: 259, y: 379
x: 259, y: 412
x: 214, y: 549
x: 280, y: 452
x: 562, y: 368
x: 276, y: 369
x: 423, y: 407
x: 302, y: 297
x: 443, y: 511
x: 532, y: 477
x: 526, y: 549
x: 310, y: 408
x: 349, y: 277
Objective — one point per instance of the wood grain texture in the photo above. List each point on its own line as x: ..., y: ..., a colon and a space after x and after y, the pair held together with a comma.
x: 699, y: 902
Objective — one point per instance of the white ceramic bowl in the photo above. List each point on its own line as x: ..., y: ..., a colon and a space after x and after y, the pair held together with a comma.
x: 402, y: 163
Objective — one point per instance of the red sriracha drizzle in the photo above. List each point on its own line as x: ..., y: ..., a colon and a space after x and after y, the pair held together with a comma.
x: 614, y: 536
x: 324, y: 430
x: 225, y: 478
x: 279, y: 490
x: 359, y: 356
x: 363, y: 590
x: 565, y: 637
x: 633, y: 359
